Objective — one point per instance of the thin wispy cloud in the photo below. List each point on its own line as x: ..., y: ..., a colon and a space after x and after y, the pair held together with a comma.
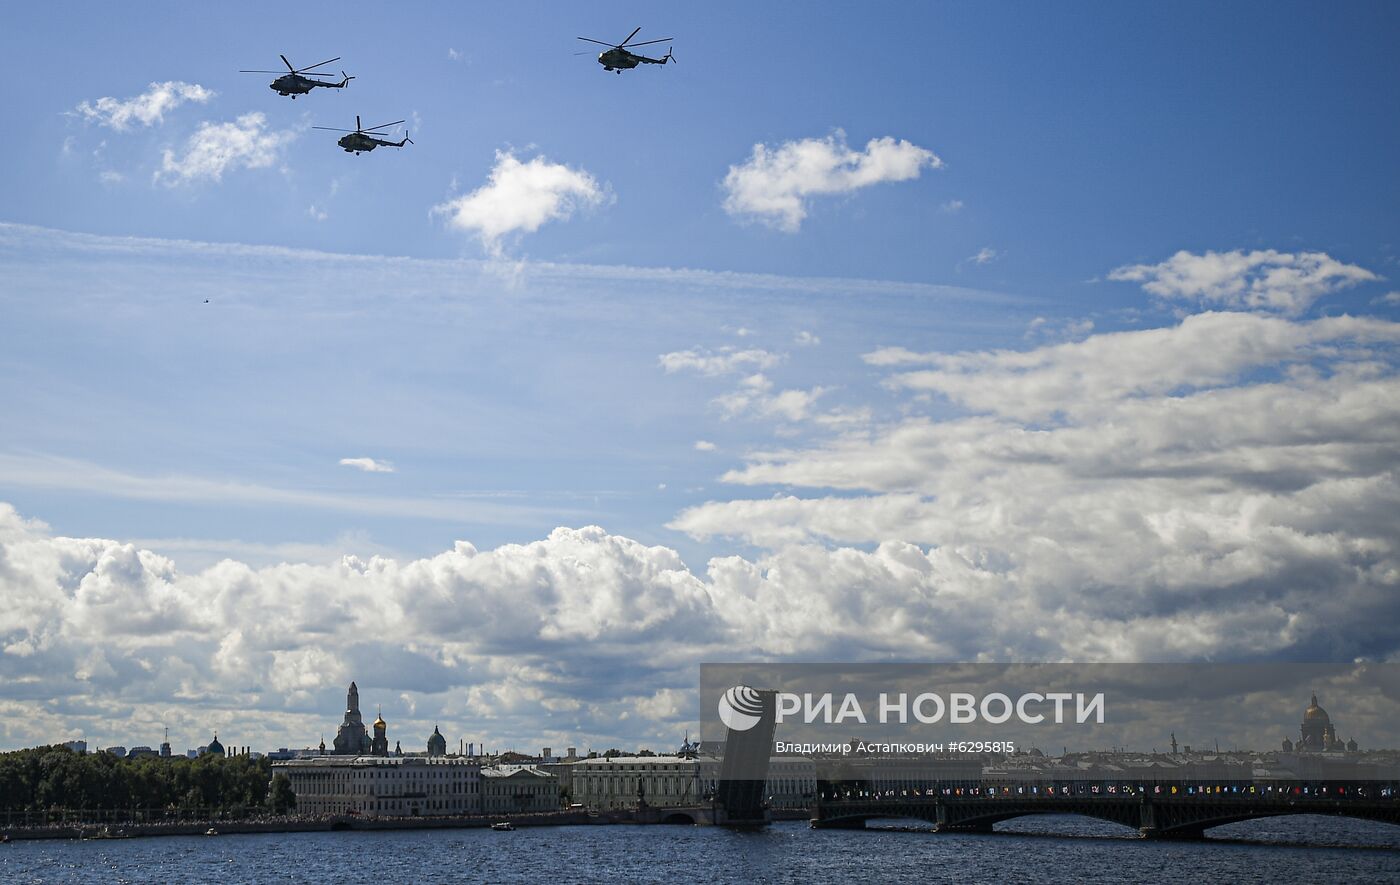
x: 147, y: 109
x: 775, y: 184
x: 70, y: 474
x: 368, y: 465
x: 724, y: 361
x: 520, y: 198
x: 445, y: 270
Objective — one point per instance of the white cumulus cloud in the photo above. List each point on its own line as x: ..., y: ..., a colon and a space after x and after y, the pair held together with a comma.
x: 755, y: 396
x: 1224, y: 483
x: 146, y: 109
x: 1266, y: 279
x: 368, y: 465
x: 520, y: 198
x: 775, y: 183
x: 215, y: 148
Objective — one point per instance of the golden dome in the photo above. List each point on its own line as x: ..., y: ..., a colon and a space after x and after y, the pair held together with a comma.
x: 1314, y: 712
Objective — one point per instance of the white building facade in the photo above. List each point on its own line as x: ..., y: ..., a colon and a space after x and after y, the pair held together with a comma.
x: 380, y: 786
x: 664, y: 781
x: 677, y: 781
x: 518, y: 789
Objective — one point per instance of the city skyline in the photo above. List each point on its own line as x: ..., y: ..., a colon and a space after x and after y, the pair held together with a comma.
x: 882, y: 334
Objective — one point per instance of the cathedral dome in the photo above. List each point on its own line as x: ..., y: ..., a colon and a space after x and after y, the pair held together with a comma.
x: 215, y: 747
x: 437, y: 744
x: 1314, y: 713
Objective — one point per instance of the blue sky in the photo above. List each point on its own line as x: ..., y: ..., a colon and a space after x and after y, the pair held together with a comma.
x: 1045, y: 228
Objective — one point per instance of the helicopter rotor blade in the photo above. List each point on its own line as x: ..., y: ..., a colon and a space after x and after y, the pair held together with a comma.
x: 260, y: 72
x: 287, y: 63
x: 380, y: 126
x: 591, y: 40
x: 317, y: 64
x: 630, y: 36
x: 358, y: 127
x: 333, y: 129
x: 647, y: 43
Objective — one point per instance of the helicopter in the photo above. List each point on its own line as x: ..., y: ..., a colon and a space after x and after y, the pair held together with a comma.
x: 361, y: 139
x: 618, y: 58
x: 299, y: 81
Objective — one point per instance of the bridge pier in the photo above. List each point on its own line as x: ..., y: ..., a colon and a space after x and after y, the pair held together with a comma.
x: 1174, y: 834
x: 945, y: 823
x: 980, y: 829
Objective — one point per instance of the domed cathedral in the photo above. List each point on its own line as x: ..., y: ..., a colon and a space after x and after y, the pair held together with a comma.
x: 1318, y: 734
x: 215, y: 748
x: 379, y: 746
x: 351, y: 739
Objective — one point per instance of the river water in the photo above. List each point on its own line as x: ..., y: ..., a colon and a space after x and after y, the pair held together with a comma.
x: 1049, y: 849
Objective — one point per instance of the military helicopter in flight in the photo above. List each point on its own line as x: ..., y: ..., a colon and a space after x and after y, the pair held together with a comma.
x: 299, y: 81
x: 361, y: 139
x: 618, y: 58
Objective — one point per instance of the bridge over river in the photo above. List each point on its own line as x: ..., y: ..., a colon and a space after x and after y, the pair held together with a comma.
x: 1156, y: 810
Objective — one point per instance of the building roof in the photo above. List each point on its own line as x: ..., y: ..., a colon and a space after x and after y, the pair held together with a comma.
x: 370, y: 761
x: 637, y: 760
x: 526, y: 770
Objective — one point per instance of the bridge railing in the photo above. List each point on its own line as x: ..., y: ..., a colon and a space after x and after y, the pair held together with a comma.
x: 836, y: 793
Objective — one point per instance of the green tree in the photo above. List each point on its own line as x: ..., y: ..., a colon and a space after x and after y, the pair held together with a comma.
x: 280, y: 796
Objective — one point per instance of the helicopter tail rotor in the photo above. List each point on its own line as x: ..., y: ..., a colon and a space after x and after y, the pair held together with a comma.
x: 345, y: 79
